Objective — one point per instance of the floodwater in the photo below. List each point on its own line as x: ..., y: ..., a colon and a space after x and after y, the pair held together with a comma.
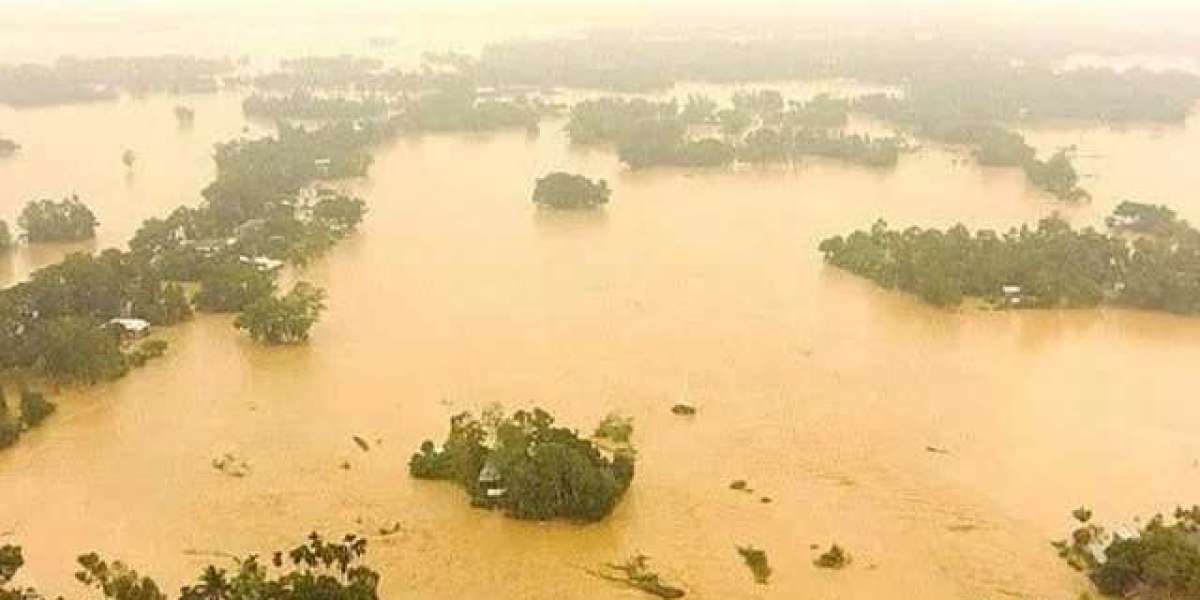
x: 819, y: 389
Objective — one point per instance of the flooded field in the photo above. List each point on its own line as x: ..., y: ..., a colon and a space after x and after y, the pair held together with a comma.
x: 816, y: 387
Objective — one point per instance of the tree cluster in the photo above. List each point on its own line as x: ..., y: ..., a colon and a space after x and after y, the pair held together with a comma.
x: 66, y: 220
x: 1159, y: 560
x: 544, y: 472
x: 568, y: 191
x: 305, y: 105
x: 328, y: 570
x: 34, y: 408
x: 1051, y: 265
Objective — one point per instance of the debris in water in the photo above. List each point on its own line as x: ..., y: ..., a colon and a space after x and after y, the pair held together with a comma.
x: 636, y: 573
x: 739, y: 484
x: 390, y: 530
x: 757, y: 561
x: 231, y: 465
x: 834, y: 558
x: 345, y: 466
x: 362, y: 444
x: 683, y: 409
x: 936, y: 450
x: 765, y: 499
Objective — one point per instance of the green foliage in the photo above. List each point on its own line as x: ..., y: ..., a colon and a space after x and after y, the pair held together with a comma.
x: 615, y: 428
x: 569, y: 191
x: 305, y: 105
x: 1162, y: 560
x: 1053, y: 265
x: 283, y: 320
x: 544, y: 472
x: 1144, y: 218
x: 34, y: 407
x: 457, y: 107
x: 115, y: 580
x: 66, y: 220
x: 147, y: 351
x: 10, y: 431
x: 77, y: 350
x: 231, y: 286
x: 6, y: 240
x: 756, y: 560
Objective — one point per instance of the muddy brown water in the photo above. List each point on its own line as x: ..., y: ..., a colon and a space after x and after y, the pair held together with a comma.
x: 702, y: 287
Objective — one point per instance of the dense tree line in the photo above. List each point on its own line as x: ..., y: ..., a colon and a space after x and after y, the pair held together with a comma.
x: 758, y: 127
x: 992, y: 145
x: 65, y: 220
x: 285, y: 319
x: 527, y: 467
x: 33, y: 408
x: 459, y: 107
x: 6, y: 240
x: 570, y: 191
x: 328, y: 570
x: 304, y: 105
x: 950, y: 78
x: 1159, y: 560
x: 1051, y: 265
x: 71, y: 79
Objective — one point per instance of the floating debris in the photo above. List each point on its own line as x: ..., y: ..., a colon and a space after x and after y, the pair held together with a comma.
x: 834, y: 558
x: 362, y: 444
x: 740, y: 485
x: 765, y: 500
x: 936, y: 450
x: 757, y: 561
x: 231, y: 465
x: 686, y: 410
x: 345, y: 466
x: 390, y: 529
x: 636, y: 573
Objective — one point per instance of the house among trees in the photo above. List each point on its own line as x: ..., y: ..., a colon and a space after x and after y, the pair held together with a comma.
x: 262, y: 264
x: 491, y: 483
x: 129, y: 327
x: 1012, y: 294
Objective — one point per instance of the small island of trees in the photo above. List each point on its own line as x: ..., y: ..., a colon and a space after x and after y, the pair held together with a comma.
x: 568, y: 191
x: 66, y: 220
x: 283, y: 320
x: 524, y: 465
x: 1051, y: 265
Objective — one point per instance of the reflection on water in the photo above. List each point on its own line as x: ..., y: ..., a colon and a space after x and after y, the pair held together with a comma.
x: 815, y: 386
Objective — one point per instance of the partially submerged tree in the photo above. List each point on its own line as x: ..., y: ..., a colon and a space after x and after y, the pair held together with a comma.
x: 527, y: 467
x: 66, y: 220
x: 1160, y: 560
x: 286, y: 319
x: 565, y: 190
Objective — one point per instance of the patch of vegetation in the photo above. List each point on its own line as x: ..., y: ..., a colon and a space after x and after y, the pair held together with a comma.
x: 283, y: 320
x: 1051, y: 265
x: 35, y: 408
x: 756, y: 561
x: 1160, y: 560
x: 146, y: 352
x: 66, y: 220
x: 315, y: 569
x: 615, y: 428
x: 527, y: 467
x: 568, y: 191
x: 305, y: 105
x: 8, y: 147
x: 1140, y: 217
x: 833, y: 558
x: 6, y: 240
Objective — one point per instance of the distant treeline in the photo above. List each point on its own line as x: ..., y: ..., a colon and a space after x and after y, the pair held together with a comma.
x: 1050, y: 265
x: 946, y: 77
x: 70, y: 80
x: 758, y: 127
